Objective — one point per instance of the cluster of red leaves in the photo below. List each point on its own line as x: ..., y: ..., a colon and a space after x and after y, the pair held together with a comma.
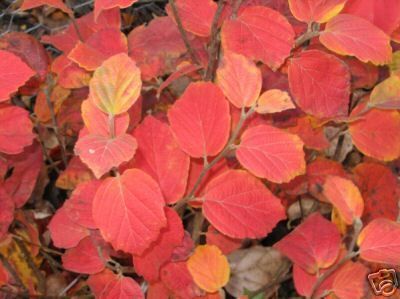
x: 174, y: 134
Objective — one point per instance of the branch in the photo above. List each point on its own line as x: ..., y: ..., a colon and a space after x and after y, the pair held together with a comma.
x: 183, y: 32
x: 228, y: 147
x: 214, y: 46
x: 60, y: 140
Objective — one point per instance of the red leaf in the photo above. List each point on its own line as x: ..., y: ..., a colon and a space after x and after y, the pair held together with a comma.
x: 271, y: 153
x: 319, y: 11
x: 85, y: 258
x: 304, y: 281
x: 313, y: 245
x: 65, y: 233
x: 177, y: 279
x: 13, y: 74
x: 26, y: 168
x: 79, y: 205
x: 97, y: 282
x: 31, y: 51
x: 67, y: 39
x: 132, y: 201
x: 379, y: 242
x: 200, y: 120
x: 101, y: 5
x: 122, y: 287
x: 182, y: 252
x: 155, y: 47
x: 345, y: 196
x: 149, y: 263
x: 196, y: 15
x: 159, y: 155
x: 259, y: 33
x: 378, y: 185
x: 4, y: 276
x: 376, y: 134
x: 98, y: 123
x: 273, y: 101
x: 240, y: 206
x: 317, y: 92
x: 383, y: 14
x: 312, y: 136
x: 351, y: 35
x: 99, y: 47
x: 239, y: 79
x: 29, y: 4
x: 101, y: 153
x: 6, y: 212
x: 16, y: 128
x: 318, y: 171
x: 226, y: 244
x: 358, y: 288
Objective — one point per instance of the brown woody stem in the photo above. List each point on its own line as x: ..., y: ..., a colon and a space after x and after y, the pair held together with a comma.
x: 184, y: 36
x: 214, y: 46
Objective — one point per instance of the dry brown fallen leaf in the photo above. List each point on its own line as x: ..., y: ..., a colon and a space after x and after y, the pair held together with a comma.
x: 256, y: 268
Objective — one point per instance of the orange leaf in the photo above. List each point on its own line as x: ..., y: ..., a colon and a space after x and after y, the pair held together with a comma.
x: 116, y: 85
x: 351, y: 35
x: 239, y: 79
x: 376, y: 134
x: 259, y: 33
x: 274, y: 100
x: 209, y: 268
x: 379, y: 242
x: 319, y: 11
x: 129, y: 211
x: 271, y: 153
x: 102, y: 153
x: 345, y: 196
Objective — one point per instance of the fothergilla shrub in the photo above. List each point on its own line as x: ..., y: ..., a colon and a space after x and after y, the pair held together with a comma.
x: 199, y: 148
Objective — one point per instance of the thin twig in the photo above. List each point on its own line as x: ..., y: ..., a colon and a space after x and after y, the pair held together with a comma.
x: 228, y: 147
x: 68, y: 287
x: 214, y: 46
x: 60, y: 140
x: 184, y: 36
x: 74, y: 23
x: 235, y: 8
